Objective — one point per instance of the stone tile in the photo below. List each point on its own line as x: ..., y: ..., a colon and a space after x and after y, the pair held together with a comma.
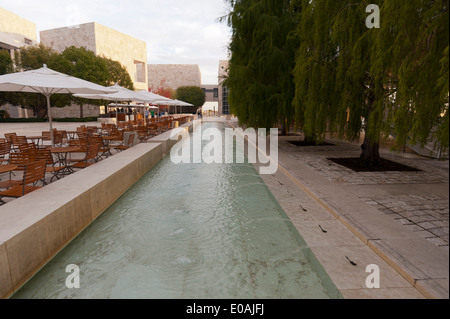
x: 440, y: 231
x: 413, y: 228
x: 438, y: 241
x: 346, y: 276
x: 391, y: 293
x: 427, y: 225
x: 336, y: 235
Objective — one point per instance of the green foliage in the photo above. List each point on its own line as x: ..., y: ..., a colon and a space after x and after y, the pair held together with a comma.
x: 117, y: 73
x: 392, y: 80
x: 315, y: 75
x: 416, y: 57
x: 262, y: 58
x: 33, y: 57
x: 4, y: 115
x: 191, y: 94
x: 9, y: 120
x: 6, y: 63
x: 77, y: 120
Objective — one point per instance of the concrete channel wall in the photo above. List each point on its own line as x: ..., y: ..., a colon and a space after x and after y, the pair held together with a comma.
x: 36, y: 227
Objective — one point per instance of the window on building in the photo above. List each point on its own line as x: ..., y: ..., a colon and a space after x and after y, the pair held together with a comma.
x: 216, y: 93
x: 28, y: 41
x: 140, y: 71
x: 225, y: 105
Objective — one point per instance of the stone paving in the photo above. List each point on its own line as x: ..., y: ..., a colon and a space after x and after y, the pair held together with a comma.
x: 424, y: 215
x: 317, y: 158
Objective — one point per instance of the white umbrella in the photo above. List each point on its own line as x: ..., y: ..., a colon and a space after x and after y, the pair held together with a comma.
x: 49, y: 82
x: 154, y: 98
x: 181, y: 104
x: 122, y: 94
x: 174, y: 103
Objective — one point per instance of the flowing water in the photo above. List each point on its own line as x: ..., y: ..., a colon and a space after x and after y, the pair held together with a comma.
x: 189, y: 231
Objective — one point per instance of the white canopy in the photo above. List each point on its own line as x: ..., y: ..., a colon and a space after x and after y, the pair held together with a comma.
x: 155, y: 98
x: 175, y: 103
x: 122, y: 95
x: 49, y: 82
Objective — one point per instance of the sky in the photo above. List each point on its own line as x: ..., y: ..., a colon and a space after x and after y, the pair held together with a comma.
x: 176, y: 31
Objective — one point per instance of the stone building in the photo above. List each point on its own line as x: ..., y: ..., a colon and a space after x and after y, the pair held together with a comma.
x: 129, y: 51
x: 174, y: 75
x: 224, y: 107
x: 15, y: 32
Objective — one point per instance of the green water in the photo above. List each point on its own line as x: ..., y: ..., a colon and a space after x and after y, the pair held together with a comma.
x: 189, y: 231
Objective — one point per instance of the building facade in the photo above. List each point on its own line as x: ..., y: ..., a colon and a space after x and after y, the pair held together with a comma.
x: 129, y: 51
x: 174, y: 75
x: 15, y: 32
x: 211, y: 92
x: 224, y: 106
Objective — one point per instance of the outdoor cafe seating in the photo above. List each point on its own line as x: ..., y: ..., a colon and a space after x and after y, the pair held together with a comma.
x: 28, y: 163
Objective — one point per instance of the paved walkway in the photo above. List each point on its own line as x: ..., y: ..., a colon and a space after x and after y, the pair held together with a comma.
x: 395, y: 220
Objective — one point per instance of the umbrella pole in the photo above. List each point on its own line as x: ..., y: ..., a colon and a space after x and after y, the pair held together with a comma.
x: 49, y: 110
x: 117, y: 115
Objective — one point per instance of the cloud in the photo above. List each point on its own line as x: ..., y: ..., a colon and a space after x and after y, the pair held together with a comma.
x: 176, y: 31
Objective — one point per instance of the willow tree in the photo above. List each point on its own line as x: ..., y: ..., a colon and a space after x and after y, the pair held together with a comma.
x: 261, y: 62
x: 355, y: 80
x: 315, y: 101
x: 359, y: 88
x: 413, y: 52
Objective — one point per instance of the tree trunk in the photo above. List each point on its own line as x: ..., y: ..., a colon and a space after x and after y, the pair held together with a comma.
x: 310, y: 140
x: 81, y: 111
x: 283, y: 128
x: 370, y: 156
x: 41, y: 113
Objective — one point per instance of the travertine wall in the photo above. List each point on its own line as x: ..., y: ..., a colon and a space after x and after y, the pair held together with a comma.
x: 72, y: 111
x: 175, y: 75
x: 12, y: 23
x: 103, y: 41
x: 15, y: 112
x: 59, y: 39
x: 125, y: 49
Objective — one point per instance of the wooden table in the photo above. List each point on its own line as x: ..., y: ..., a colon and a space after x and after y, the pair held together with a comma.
x: 62, y: 153
x: 7, y: 168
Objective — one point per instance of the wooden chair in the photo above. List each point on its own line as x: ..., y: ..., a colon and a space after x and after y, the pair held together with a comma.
x: 126, y: 145
x: 17, y: 141
x: 4, y: 151
x: 58, y: 138
x: 21, y: 160
x: 89, y: 159
x: 33, y: 174
x: 103, y: 151
x: 144, y: 133
x: 8, y: 137
x: 52, y: 166
x: 27, y: 147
